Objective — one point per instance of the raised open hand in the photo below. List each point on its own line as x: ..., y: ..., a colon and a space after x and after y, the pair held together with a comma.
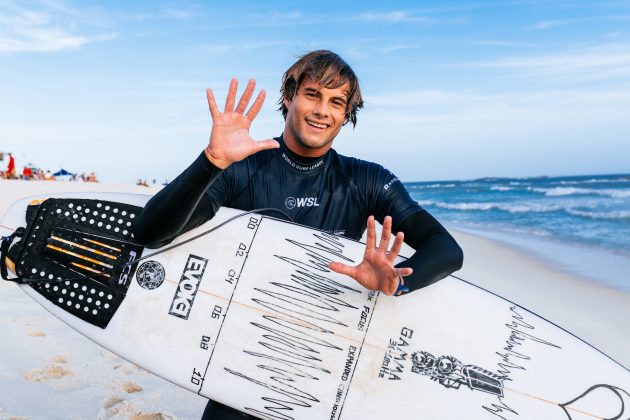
x: 230, y: 140
x: 377, y: 271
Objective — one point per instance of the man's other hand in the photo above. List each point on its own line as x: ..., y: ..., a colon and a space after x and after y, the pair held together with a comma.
x: 377, y: 270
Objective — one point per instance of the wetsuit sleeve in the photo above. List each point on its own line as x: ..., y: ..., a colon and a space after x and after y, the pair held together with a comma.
x: 437, y: 253
x: 180, y: 206
x: 391, y: 198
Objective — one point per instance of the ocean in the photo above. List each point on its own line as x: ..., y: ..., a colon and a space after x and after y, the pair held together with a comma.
x: 590, y: 214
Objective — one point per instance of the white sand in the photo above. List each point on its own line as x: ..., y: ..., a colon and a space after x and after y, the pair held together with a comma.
x: 48, y: 370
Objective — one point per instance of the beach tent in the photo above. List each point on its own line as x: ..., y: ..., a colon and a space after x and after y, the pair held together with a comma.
x: 62, y: 172
x: 62, y: 175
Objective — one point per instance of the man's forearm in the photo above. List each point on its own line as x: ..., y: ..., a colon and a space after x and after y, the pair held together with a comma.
x: 437, y: 253
x: 178, y: 207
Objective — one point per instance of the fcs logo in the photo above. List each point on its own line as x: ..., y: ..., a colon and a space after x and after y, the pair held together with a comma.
x: 124, y: 275
x: 292, y: 202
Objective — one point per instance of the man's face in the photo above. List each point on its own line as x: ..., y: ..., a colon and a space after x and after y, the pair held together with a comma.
x: 315, y: 115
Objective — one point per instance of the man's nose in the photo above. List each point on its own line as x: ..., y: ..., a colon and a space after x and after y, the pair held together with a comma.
x: 321, y: 108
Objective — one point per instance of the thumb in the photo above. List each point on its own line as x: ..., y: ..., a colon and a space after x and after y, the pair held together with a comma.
x: 265, y: 145
x: 341, y: 268
x: 405, y: 271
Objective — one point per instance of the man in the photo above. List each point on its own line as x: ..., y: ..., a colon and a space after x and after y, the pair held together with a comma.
x: 11, y: 167
x: 27, y: 172
x: 342, y: 195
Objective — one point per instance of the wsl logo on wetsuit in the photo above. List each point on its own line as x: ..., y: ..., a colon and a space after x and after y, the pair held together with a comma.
x: 188, y: 286
x: 292, y: 202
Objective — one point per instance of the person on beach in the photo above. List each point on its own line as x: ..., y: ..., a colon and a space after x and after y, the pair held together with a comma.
x: 27, y: 173
x: 11, y: 167
x: 301, y: 174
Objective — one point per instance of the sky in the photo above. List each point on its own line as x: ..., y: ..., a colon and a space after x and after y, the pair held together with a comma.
x: 452, y: 89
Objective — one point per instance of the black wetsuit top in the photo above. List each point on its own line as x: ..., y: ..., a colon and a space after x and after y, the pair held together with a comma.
x: 333, y: 193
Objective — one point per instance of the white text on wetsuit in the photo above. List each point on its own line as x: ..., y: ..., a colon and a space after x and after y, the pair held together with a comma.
x: 297, y: 166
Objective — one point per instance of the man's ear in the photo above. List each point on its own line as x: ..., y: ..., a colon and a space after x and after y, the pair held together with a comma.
x: 291, y: 88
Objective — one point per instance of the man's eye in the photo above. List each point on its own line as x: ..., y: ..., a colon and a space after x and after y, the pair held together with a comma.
x: 310, y: 95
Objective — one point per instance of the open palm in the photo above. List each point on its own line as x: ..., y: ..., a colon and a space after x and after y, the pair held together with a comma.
x: 230, y: 140
x: 377, y: 270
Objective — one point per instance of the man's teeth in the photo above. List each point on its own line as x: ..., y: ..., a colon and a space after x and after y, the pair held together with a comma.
x: 316, y: 125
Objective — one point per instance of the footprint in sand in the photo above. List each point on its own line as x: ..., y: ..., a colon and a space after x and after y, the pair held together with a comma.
x: 118, y: 407
x: 112, y: 402
x: 46, y: 374
x: 54, y: 371
x: 37, y: 334
x: 131, y: 387
x: 150, y: 416
x: 58, y: 359
x: 130, y: 369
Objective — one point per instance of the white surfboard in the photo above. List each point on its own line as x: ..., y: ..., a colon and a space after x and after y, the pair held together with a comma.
x: 249, y: 315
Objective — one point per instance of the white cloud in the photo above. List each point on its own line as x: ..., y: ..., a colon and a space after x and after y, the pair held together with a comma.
x: 54, y: 29
x: 502, y: 43
x: 400, y: 47
x: 243, y: 46
x: 593, y: 63
x: 297, y: 18
x: 462, y: 105
x: 613, y: 34
x: 547, y: 24
x: 40, y: 40
x: 552, y: 23
x: 179, y: 13
x: 393, y: 17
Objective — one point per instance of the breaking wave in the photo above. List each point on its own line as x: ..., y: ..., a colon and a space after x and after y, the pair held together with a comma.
x: 601, y: 215
x: 501, y: 188
x: 511, y: 208
x: 560, y: 191
x: 529, y: 208
x: 421, y: 187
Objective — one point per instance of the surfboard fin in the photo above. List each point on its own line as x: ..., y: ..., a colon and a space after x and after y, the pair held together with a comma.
x: 78, y: 254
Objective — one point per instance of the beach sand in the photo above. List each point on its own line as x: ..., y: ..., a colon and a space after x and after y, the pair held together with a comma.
x: 47, y: 370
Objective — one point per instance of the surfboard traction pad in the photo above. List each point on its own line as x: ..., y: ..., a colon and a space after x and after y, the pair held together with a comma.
x: 82, y: 247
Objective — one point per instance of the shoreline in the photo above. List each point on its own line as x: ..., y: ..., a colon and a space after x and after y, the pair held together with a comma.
x: 596, y: 265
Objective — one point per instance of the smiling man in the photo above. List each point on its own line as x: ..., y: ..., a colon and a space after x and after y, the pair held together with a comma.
x: 302, y: 175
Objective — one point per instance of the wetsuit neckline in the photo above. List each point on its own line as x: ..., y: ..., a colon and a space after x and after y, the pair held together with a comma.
x: 298, y: 163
